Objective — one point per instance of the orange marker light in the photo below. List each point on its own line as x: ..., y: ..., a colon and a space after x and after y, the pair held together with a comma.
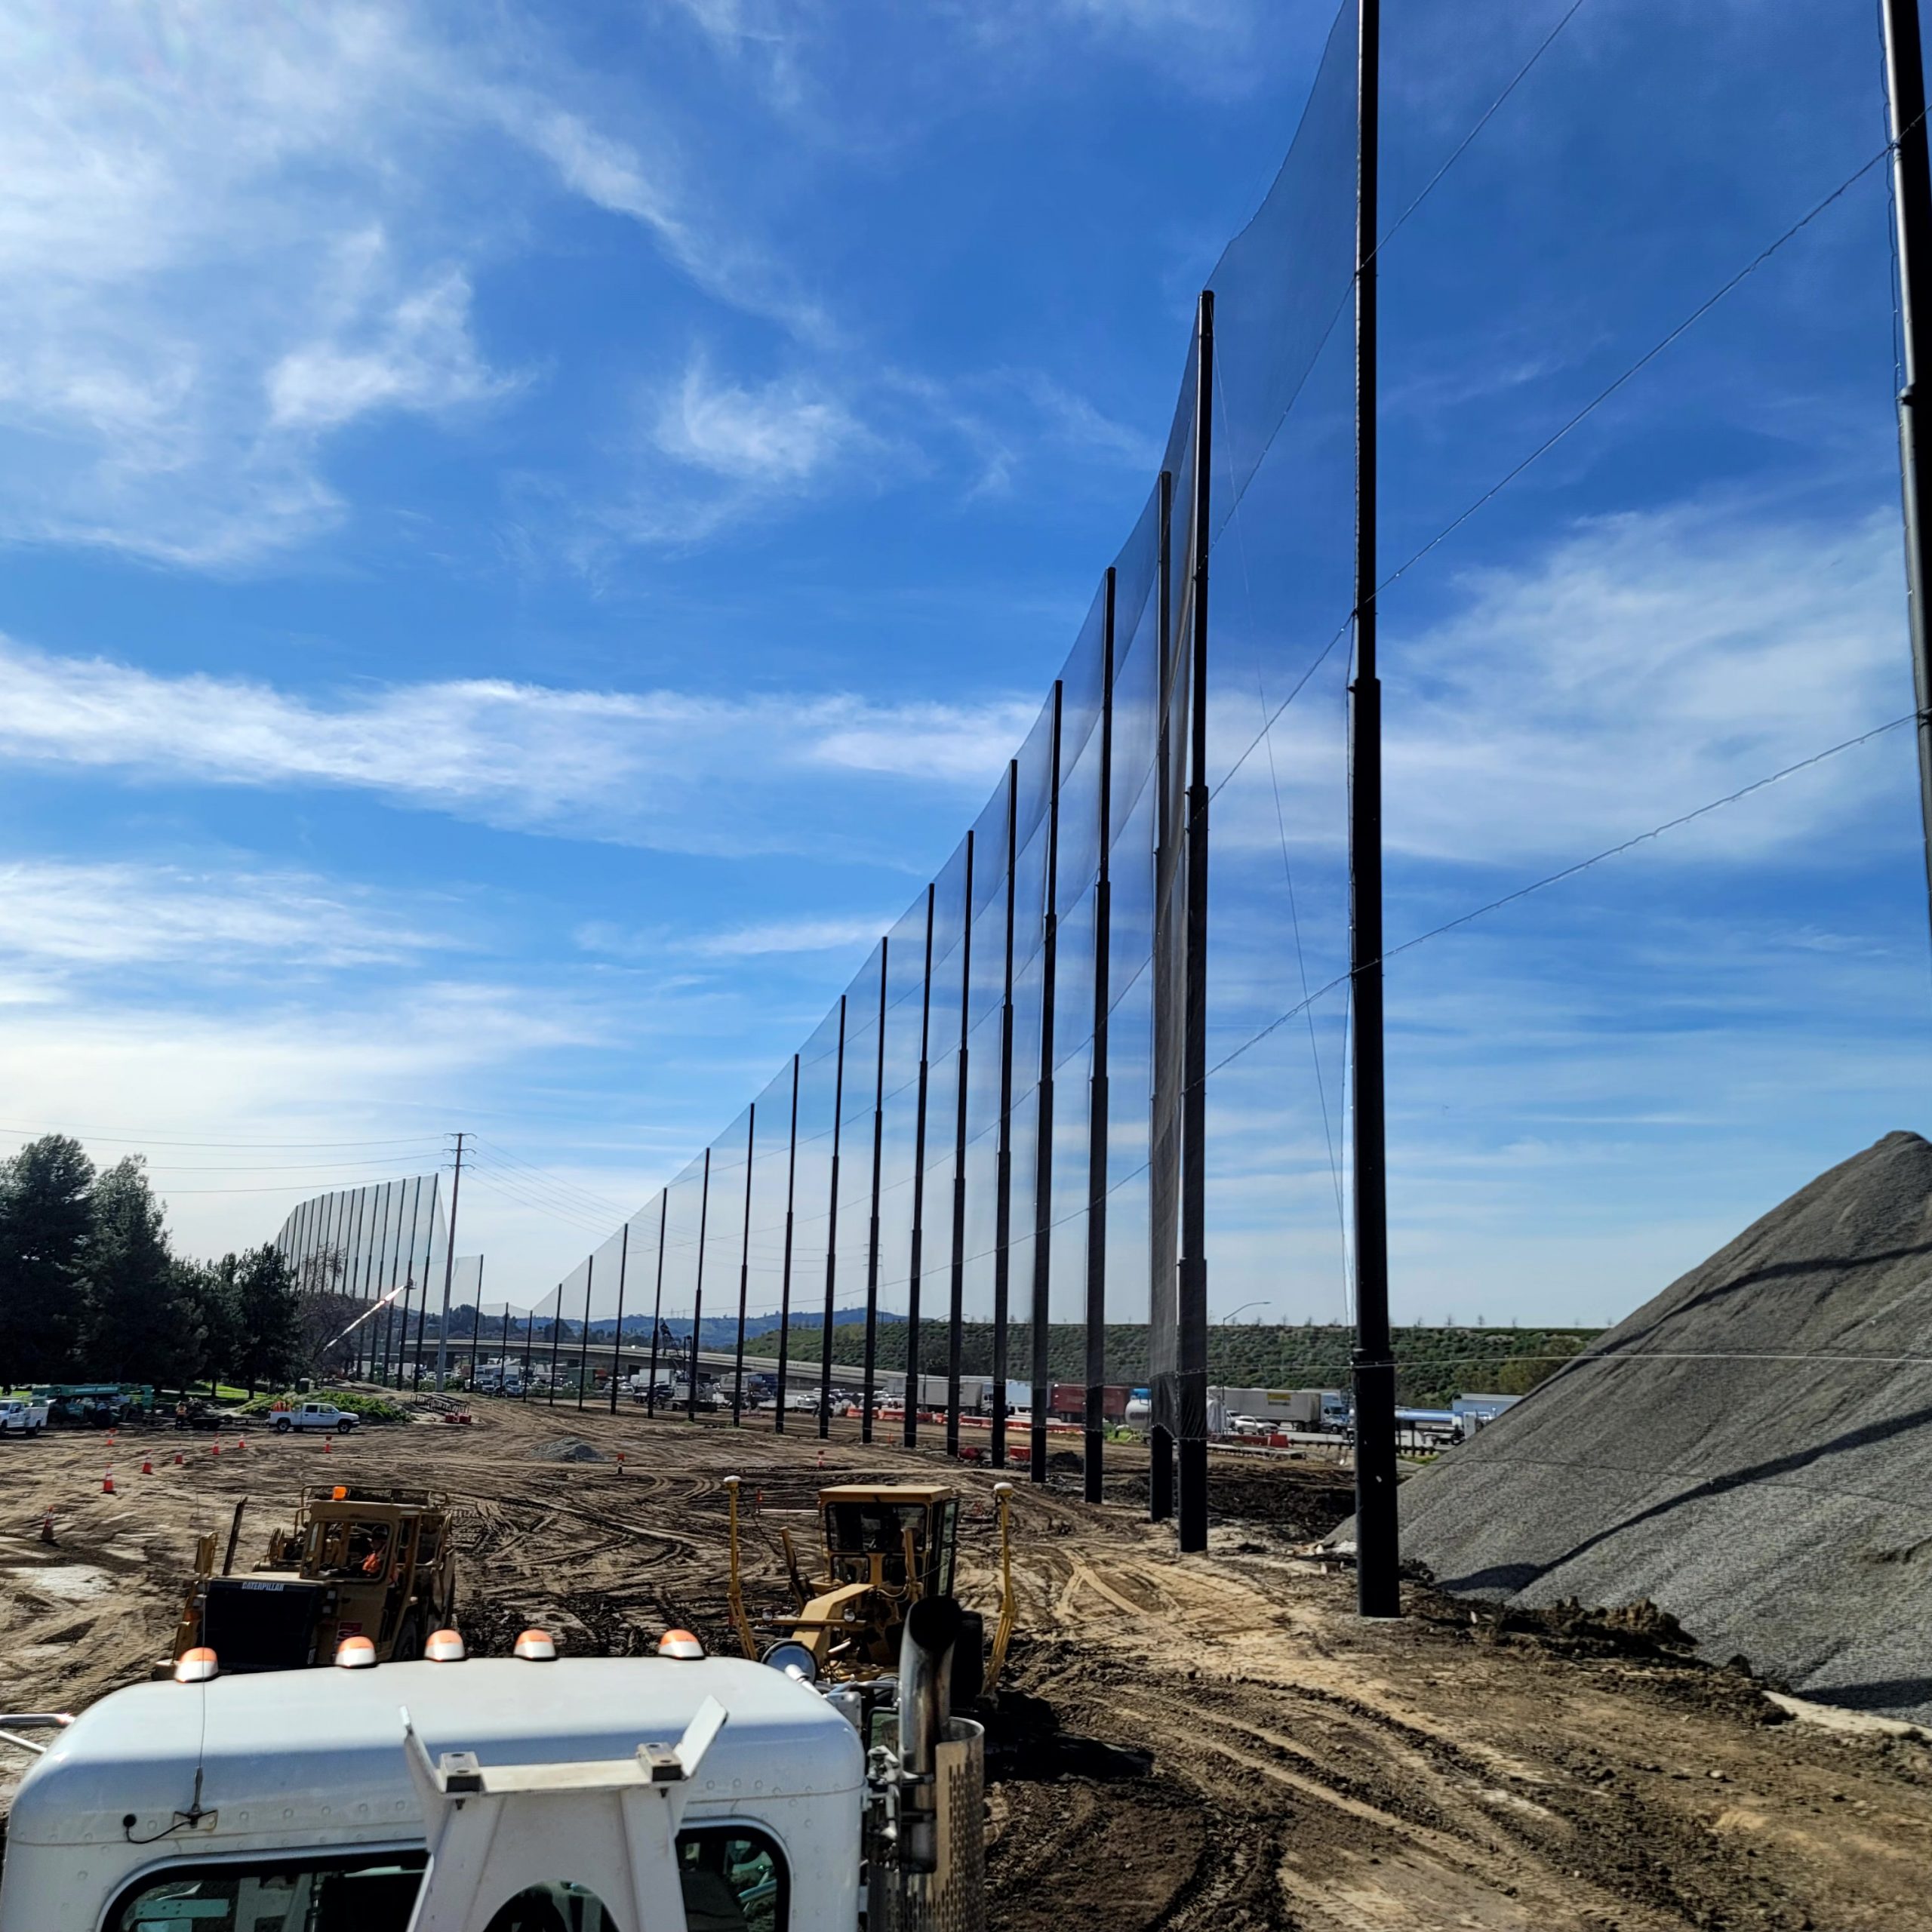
x: 444, y: 1646
x: 355, y: 1654
x: 680, y: 1645
x: 196, y: 1666
x: 537, y: 1647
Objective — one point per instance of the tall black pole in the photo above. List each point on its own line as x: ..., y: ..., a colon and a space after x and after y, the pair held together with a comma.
x: 1043, y: 1152
x: 618, y: 1339
x: 1092, y: 1400
x: 583, y: 1349
x: 1163, y: 1234
x: 476, y: 1325
x: 1911, y: 196
x: 956, y: 1310
x: 697, y: 1304
x: 657, y: 1303
x: 422, y: 1305
x: 1378, y: 1592
x: 503, y: 1375
x: 914, y: 1384
x: 1191, y: 1313
x: 832, y: 1238
x: 1003, y: 1167
x: 449, y: 1266
x: 871, y: 1243
x: 785, y: 1275
x: 744, y: 1270
x: 529, y: 1339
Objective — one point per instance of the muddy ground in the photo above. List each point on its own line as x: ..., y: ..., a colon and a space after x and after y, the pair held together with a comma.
x: 1207, y: 1742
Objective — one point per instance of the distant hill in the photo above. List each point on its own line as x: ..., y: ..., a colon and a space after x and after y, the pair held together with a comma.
x: 1432, y: 1364
x: 722, y: 1331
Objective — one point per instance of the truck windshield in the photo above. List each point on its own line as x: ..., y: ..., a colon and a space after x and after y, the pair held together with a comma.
x: 734, y: 1880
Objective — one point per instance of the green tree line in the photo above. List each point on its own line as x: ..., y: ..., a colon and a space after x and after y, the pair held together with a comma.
x: 1432, y: 1365
x: 91, y: 1289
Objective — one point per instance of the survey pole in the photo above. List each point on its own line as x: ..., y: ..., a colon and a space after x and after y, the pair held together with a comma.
x: 956, y: 1310
x: 744, y: 1269
x: 832, y: 1238
x: 785, y: 1275
x: 1099, y: 1105
x: 617, y: 1339
x: 1003, y: 1157
x: 449, y: 1270
x: 1378, y: 1590
x: 871, y: 1244
x: 914, y: 1386
x: 1912, y: 199
x: 1043, y: 1155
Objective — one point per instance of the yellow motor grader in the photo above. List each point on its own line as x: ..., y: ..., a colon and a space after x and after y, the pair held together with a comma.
x: 374, y: 1563
x: 886, y: 1546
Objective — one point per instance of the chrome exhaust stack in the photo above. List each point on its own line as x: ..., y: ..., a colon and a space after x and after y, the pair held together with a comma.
x: 927, y: 1863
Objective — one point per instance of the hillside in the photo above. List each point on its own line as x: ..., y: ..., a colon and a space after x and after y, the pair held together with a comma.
x: 1433, y: 1364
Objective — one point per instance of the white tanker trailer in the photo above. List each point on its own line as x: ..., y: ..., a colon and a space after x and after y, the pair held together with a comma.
x: 675, y: 1793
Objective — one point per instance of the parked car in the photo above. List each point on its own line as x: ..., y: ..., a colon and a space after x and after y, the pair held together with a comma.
x: 19, y: 1417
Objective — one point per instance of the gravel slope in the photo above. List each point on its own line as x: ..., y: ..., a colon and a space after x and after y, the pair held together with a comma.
x: 1751, y: 1451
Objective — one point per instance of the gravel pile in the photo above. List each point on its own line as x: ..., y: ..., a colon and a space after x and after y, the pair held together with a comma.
x: 567, y: 1449
x: 1748, y: 1451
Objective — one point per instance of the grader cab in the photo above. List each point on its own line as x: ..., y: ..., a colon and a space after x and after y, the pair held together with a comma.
x: 373, y: 1563
x: 884, y: 1547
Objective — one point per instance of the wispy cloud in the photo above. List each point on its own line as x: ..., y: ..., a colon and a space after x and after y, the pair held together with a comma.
x: 64, y: 915
x: 776, y: 437
x: 1642, y: 666
x: 768, y: 939
x: 334, y: 173
x: 609, y: 765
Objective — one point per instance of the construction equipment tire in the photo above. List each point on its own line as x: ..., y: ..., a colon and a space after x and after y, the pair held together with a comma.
x: 969, y: 1660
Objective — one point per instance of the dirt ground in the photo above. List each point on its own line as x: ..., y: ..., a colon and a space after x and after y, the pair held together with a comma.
x: 1212, y: 1741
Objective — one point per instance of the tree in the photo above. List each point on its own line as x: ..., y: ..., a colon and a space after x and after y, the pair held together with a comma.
x: 210, y: 1317
x: 269, y: 1315
x: 46, y: 1222
x: 133, y: 1327
x: 1521, y: 1374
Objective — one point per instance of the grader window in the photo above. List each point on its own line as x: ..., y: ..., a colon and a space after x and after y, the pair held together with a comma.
x: 856, y: 1532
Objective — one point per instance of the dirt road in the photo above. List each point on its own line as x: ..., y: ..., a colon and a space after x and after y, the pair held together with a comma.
x: 1207, y: 1742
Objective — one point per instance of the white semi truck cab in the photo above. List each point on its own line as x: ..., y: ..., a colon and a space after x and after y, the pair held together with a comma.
x: 677, y: 1793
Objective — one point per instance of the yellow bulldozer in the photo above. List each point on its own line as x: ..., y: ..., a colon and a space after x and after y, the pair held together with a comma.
x: 373, y: 1563
x: 885, y: 1546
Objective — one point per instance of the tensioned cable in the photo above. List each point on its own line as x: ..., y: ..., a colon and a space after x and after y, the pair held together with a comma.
x: 543, y: 1175
x: 1566, y: 873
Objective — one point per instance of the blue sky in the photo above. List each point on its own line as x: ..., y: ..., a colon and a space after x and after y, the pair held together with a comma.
x: 529, y: 531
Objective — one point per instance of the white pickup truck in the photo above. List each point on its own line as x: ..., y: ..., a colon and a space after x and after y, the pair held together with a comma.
x: 314, y: 1415
x: 19, y: 1417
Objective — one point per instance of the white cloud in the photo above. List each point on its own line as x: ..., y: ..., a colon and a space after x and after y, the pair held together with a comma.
x: 778, y: 437
x: 61, y: 915
x: 229, y: 230
x: 1643, y: 666
x: 417, y: 355
x: 765, y: 939
x: 613, y: 764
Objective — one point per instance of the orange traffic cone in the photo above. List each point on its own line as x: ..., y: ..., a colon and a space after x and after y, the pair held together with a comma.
x: 107, y: 1483
x: 328, y: 1443
x: 215, y: 1448
x: 241, y: 1442
x: 821, y: 1459
x: 147, y: 1466
x: 177, y: 1459
x: 46, y: 1526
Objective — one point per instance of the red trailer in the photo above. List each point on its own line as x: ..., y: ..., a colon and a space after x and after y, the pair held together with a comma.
x: 1067, y: 1401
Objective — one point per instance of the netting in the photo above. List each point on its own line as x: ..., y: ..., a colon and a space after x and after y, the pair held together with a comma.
x: 1637, y: 562
x: 379, y: 1255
